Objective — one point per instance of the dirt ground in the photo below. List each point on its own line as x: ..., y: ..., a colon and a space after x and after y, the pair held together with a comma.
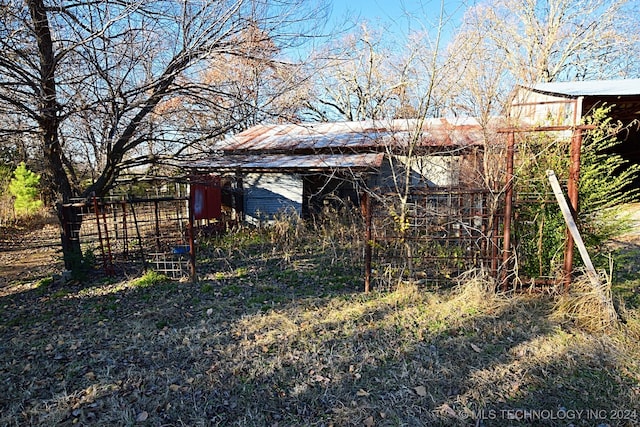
x: 29, y: 255
x: 267, y: 339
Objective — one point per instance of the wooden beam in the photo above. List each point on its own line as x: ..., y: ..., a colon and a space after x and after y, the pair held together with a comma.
x: 573, y: 229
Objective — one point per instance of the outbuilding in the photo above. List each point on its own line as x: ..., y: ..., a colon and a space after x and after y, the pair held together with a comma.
x: 302, y: 167
x: 557, y: 104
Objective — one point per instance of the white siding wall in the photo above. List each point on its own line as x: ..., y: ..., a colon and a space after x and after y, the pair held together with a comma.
x: 542, y: 110
x: 439, y: 171
x: 267, y: 194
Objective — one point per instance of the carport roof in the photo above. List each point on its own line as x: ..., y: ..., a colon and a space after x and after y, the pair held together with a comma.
x: 362, y: 136
x: 628, y: 87
x: 285, y: 162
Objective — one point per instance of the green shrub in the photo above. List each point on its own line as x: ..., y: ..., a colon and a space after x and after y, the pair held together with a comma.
x: 24, y: 187
x: 605, y: 180
x: 150, y: 278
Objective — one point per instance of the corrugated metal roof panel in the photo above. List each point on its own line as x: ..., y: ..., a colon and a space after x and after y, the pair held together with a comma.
x: 361, y: 135
x: 627, y: 87
x: 292, y: 162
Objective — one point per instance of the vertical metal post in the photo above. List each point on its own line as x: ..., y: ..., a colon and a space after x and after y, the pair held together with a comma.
x: 572, y: 187
x: 96, y: 210
x: 109, y: 265
x: 366, y: 210
x: 572, y: 193
x: 192, y: 245
x: 508, y: 209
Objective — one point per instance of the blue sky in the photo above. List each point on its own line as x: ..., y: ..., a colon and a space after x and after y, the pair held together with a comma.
x: 396, y: 18
x: 399, y: 15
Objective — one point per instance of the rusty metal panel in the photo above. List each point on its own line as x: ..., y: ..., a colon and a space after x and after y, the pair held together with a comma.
x: 291, y: 162
x: 358, y: 136
x: 446, y: 232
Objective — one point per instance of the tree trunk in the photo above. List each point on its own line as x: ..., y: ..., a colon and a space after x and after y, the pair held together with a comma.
x: 55, y: 176
x: 70, y: 217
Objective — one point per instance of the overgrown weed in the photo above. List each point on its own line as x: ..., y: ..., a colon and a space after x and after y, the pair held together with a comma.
x: 269, y: 341
x: 587, y: 306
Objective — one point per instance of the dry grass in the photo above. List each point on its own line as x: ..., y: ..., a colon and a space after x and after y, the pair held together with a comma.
x: 587, y: 306
x: 278, y: 339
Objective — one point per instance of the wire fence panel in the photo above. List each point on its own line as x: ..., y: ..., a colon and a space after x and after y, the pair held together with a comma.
x: 431, y: 236
x: 434, y: 235
x: 132, y: 233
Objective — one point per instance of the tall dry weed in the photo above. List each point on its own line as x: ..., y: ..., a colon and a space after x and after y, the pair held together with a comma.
x: 586, y: 306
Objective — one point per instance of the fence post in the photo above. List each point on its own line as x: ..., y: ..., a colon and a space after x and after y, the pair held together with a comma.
x: 366, y: 211
x: 192, y: 241
x: 96, y: 209
x: 508, y: 210
x: 572, y: 193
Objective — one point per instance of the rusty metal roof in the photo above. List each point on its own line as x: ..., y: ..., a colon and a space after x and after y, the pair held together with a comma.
x: 362, y: 136
x: 280, y: 162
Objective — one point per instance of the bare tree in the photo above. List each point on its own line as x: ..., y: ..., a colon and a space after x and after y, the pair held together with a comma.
x: 554, y: 40
x: 91, y: 79
x: 358, y: 77
x: 501, y: 43
x: 259, y: 86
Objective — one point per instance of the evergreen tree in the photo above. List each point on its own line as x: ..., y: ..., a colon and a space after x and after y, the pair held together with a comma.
x: 24, y: 187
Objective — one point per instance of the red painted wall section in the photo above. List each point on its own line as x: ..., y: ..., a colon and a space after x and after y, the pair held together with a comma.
x: 206, y: 197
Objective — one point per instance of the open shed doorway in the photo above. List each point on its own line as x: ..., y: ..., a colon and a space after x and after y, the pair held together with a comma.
x: 626, y: 112
x: 334, y: 192
x: 567, y: 103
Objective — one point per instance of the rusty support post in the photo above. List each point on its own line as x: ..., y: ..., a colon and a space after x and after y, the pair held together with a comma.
x: 109, y: 265
x: 366, y: 211
x: 157, y: 218
x: 572, y: 193
x: 96, y: 210
x: 192, y: 242
x: 508, y: 210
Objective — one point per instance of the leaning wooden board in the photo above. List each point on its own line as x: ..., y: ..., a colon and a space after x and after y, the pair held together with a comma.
x: 573, y: 228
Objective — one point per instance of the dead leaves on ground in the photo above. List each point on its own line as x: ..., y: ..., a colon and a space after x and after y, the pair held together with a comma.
x: 142, y: 417
x: 420, y: 390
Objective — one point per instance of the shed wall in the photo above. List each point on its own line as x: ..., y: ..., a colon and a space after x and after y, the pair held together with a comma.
x: 538, y: 109
x: 426, y: 171
x: 266, y: 194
